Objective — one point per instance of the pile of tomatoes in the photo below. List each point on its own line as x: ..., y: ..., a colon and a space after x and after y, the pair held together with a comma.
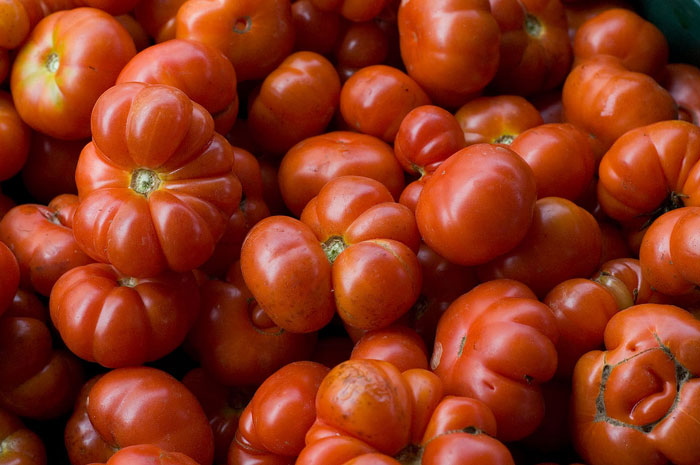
x: 347, y: 232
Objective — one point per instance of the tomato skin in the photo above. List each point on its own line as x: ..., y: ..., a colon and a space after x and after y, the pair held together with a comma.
x: 296, y: 101
x: 682, y: 81
x: 20, y: 445
x: 70, y: 60
x: 311, y: 163
x: 426, y: 137
x: 354, y: 10
x: 563, y: 241
x: 649, y: 166
x: 167, y: 415
x: 496, y: 119
x: 156, y: 187
x: 561, y: 158
x: 535, y: 53
x: 9, y: 278
x: 360, y: 45
x: 465, y: 191
x: 26, y: 348
x: 50, y: 167
x: 158, y: 17
x: 148, y: 454
x: 315, y: 30
x: 14, y: 138
x: 232, y: 346
x: 449, y: 64
x: 45, y: 247
x: 604, y: 98
x: 634, y: 403
x: 200, y: 71
x: 376, y: 98
x: 620, y: 32
x: 480, y: 351
x: 398, y: 345
x: 255, y: 35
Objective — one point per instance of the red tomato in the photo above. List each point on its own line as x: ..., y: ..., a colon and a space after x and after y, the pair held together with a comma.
x: 296, y: 101
x: 377, y: 98
x: 315, y: 30
x: 255, y: 35
x: 497, y: 343
x: 496, y: 120
x: 64, y: 67
x: 398, y: 345
x: 9, y: 277
x: 14, y: 138
x: 354, y: 10
x: 450, y: 47
x: 131, y: 406
x: 20, y: 445
x: 311, y: 163
x: 359, y: 45
x: 563, y: 242
x: 44, y: 246
x: 155, y: 182
x: 637, y: 401
x: 148, y: 454
x: 622, y: 33
x: 200, y: 71
x: 478, y: 204
x: 14, y: 24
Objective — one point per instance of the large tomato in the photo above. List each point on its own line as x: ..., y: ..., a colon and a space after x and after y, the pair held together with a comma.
x: 70, y: 58
x: 200, y: 71
x: 255, y: 35
x: 156, y: 183
x: 478, y: 205
x: 637, y: 401
x: 450, y: 47
x: 497, y: 343
x: 131, y: 406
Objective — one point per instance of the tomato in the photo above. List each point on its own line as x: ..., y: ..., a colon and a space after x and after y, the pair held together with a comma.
x: 158, y: 17
x: 44, y: 246
x: 449, y: 63
x: 223, y: 407
x: 561, y: 158
x: 359, y: 45
x: 496, y: 120
x: 352, y: 239
x: 535, y: 53
x: 376, y: 98
x: 398, y: 345
x: 311, y: 163
x: 650, y: 170
x: 354, y: 10
x: 235, y: 347
x: 367, y: 411
x: 426, y: 137
x: 682, y: 81
x: 604, y: 98
x: 9, y: 276
x: 563, y: 242
x: 64, y: 67
x: 18, y: 444
x: 160, y: 178
x: 622, y: 33
x: 578, y: 13
x: 497, y: 343
x: 140, y: 405
x: 14, y: 138
x: 255, y: 35
x: 275, y: 422
x: 50, y: 167
x: 315, y: 30
x: 200, y: 71
x: 296, y: 101
x: 456, y: 209
x: 637, y: 401
x: 14, y: 22
x: 624, y: 279
x: 148, y: 454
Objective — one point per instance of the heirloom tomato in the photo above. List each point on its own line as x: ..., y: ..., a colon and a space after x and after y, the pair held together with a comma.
x: 497, y: 343
x: 255, y: 35
x: 477, y: 205
x: 450, y: 47
x: 637, y: 402
x: 70, y: 58
x: 200, y: 71
x: 139, y: 405
x: 155, y: 183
